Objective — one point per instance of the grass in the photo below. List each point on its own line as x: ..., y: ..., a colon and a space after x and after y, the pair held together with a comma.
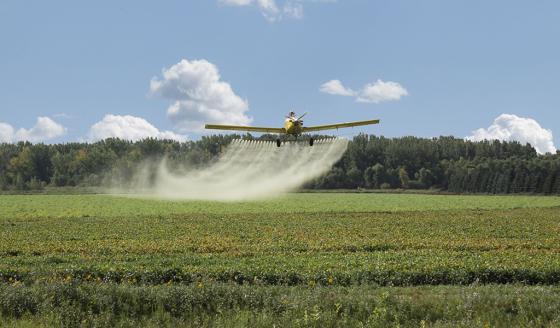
x: 229, y: 305
x: 314, y: 248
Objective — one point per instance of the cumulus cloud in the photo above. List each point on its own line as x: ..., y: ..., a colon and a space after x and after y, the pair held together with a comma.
x: 335, y: 87
x: 199, y: 96
x: 6, y: 132
x: 45, y: 129
x: 376, y: 92
x: 381, y: 91
x: 510, y: 127
x: 129, y: 128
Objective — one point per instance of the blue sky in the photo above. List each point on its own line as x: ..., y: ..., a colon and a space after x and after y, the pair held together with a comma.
x: 462, y: 64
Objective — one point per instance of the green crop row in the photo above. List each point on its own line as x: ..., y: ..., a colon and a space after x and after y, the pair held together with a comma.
x: 444, y: 276
x: 322, y: 260
x: 395, y: 248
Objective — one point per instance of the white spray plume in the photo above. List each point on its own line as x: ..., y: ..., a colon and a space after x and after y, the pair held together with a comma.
x: 246, y: 170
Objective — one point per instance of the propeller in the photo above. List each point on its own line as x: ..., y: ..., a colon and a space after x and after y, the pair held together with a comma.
x: 299, y: 118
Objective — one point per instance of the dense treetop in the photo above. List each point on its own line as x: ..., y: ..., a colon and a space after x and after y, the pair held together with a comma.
x: 372, y: 162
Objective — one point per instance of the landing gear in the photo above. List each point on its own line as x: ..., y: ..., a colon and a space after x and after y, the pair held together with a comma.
x: 310, y: 141
x: 278, y: 143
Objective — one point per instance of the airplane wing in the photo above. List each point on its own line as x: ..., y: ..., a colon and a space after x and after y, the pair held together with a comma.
x: 338, y: 125
x: 244, y: 128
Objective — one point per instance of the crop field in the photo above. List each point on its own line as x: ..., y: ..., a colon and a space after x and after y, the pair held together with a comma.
x: 306, y: 259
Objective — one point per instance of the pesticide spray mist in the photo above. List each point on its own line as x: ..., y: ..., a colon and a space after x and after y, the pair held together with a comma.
x: 246, y: 170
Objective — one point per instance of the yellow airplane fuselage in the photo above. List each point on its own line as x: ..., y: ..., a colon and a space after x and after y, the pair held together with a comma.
x: 292, y: 126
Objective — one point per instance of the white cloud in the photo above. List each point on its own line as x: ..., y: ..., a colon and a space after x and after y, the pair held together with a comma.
x: 371, y: 93
x: 335, y: 87
x: 381, y: 91
x: 45, y: 129
x: 129, y: 128
x: 199, y: 95
x: 510, y: 127
x: 271, y: 10
x: 6, y: 132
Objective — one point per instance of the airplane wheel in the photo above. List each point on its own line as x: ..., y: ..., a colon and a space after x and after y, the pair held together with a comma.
x: 278, y: 143
x: 311, y: 142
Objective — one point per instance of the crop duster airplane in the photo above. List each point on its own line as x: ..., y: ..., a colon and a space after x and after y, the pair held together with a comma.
x: 293, y: 126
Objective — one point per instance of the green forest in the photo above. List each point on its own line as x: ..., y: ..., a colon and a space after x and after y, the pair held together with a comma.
x: 370, y: 162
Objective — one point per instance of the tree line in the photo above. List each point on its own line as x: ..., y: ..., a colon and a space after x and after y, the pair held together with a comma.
x: 370, y: 162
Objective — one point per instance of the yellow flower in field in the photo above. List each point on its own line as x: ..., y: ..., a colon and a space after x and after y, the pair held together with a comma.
x: 330, y: 280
